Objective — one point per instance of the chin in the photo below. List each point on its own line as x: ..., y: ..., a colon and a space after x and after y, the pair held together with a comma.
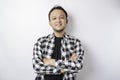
x: 60, y: 30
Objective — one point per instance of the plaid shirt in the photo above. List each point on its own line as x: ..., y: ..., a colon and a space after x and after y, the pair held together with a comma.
x: 44, y: 48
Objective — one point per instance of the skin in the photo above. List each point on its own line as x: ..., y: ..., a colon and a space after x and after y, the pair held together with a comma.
x: 58, y: 22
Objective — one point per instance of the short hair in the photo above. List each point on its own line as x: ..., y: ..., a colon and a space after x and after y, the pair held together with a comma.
x: 58, y: 8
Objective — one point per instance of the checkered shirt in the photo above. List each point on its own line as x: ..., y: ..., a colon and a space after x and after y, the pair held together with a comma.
x: 43, y: 48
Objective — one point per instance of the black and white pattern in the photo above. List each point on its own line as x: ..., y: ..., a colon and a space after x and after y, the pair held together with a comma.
x: 44, y: 48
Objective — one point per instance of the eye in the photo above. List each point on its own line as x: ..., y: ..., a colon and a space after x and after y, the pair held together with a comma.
x: 62, y: 17
x: 54, y: 18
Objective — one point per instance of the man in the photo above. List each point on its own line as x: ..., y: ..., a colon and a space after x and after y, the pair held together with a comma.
x: 57, y: 56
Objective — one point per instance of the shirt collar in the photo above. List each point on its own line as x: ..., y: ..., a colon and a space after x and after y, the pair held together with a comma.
x: 53, y: 36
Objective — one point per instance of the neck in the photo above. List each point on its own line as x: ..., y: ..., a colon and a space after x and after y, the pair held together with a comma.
x: 59, y: 34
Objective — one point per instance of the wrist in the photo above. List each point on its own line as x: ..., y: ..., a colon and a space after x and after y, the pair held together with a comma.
x: 62, y: 71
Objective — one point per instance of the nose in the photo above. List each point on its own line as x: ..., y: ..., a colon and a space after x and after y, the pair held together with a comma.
x: 58, y: 20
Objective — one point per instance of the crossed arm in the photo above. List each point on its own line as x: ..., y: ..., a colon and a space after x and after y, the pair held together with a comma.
x: 50, y: 66
x: 51, y: 62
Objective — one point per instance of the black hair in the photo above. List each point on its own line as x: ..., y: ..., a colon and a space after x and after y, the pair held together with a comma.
x: 58, y: 8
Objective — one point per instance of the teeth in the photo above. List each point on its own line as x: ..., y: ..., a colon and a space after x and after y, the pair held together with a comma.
x: 58, y: 24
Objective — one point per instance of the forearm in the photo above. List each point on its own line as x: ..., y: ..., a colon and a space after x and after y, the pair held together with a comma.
x: 73, y: 64
x: 70, y: 66
x: 42, y: 68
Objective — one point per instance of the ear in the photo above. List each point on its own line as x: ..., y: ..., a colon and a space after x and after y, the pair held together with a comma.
x: 66, y: 21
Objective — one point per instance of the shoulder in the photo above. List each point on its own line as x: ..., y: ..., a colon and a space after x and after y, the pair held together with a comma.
x: 73, y: 38
x: 43, y: 38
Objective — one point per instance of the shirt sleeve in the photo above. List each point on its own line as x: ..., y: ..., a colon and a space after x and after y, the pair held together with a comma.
x: 38, y: 64
x: 73, y: 66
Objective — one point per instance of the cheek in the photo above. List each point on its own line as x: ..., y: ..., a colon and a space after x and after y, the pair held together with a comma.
x: 65, y: 22
x: 51, y: 23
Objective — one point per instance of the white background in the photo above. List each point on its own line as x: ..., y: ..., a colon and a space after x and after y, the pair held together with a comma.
x: 95, y: 22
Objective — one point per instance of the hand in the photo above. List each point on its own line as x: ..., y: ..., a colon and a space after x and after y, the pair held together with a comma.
x: 74, y: 57
x: 62, y: 71
x: 49, y: 61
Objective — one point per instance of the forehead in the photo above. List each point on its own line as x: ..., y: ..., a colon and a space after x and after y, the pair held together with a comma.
x: 57, y: 12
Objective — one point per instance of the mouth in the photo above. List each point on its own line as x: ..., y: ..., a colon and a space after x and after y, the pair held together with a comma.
x: 58, y: 25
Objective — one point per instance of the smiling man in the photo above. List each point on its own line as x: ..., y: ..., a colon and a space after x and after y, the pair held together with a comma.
x: 57, y: 56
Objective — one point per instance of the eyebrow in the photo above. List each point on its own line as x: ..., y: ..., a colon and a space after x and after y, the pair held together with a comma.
x: 55, y: 16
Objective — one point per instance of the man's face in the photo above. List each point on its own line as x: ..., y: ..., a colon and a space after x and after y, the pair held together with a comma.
x: 58, y: 20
